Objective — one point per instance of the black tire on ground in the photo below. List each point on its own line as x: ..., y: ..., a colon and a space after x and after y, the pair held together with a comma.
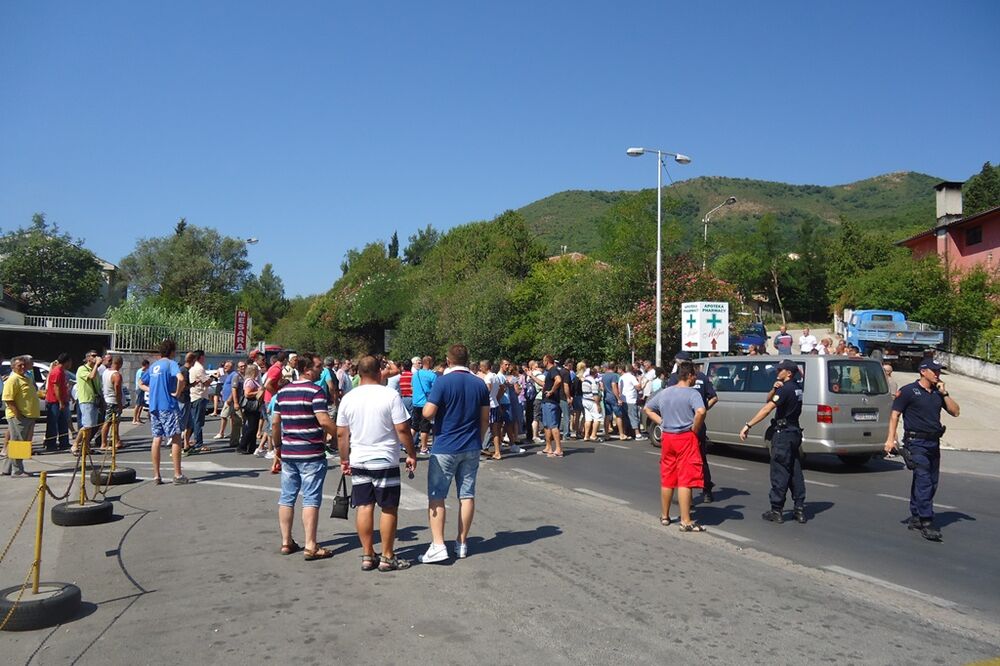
x: 857, y: 460
x: 655, y: 436
x: 118, y: 477
x: 60, y: 605
x: 72, y: 514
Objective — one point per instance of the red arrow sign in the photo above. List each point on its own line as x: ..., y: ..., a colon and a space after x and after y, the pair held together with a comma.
x: 714, y: 343
x: 690, y: 343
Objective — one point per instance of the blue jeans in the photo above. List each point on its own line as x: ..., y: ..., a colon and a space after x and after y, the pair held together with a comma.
x: 443, y: 467
x: 56, y: 426
x: 198, y: 421
x: 305, y: 476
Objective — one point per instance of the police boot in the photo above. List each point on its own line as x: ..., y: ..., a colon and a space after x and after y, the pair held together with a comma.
x: 774, y: 516
x: 928, y: 531
x: 800, y: 515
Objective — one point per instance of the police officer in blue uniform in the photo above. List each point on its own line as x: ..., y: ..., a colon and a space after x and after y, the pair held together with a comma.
x: 708, y: 396
x: 785, y: 400
x: 920, y: 405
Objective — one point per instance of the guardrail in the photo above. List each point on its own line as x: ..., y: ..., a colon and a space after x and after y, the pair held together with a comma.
x: 94, y: 324
x: 142, y: 338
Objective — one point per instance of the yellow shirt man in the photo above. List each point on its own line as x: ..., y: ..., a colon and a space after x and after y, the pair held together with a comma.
x: 21, y: 397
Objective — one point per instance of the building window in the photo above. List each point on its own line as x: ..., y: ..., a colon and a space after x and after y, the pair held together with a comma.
x: 974, y: 236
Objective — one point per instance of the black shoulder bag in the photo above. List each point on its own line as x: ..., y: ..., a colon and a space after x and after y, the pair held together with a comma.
x: 342, y: 502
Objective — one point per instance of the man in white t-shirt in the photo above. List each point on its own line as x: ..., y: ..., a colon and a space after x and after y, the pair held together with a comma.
x: 807, y: 342
x: 629, y: 385
x: 371, y: 423
x: 497, y: 418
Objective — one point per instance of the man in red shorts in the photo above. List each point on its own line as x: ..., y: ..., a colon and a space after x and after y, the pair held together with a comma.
x: 680, y: 411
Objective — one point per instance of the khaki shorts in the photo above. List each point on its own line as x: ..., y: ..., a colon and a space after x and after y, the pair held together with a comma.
x: 227, y: 410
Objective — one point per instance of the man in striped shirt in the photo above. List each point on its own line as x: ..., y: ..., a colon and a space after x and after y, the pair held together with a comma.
x: 297, y: 430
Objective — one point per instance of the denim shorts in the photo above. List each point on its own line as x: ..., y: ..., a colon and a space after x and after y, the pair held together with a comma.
x: 612, y: 409
x: 165, y: 422
x: 633, y: 414
x: 550, y: 415
x: 305, y: 476
x: 184, y: 415
x: 88, y: 415
x: 443, y: 467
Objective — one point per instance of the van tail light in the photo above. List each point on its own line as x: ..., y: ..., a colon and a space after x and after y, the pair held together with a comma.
x: 824, y: 414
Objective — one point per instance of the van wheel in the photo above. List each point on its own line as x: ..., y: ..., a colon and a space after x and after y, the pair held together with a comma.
x: 856, y: 461
x: 655, y: 436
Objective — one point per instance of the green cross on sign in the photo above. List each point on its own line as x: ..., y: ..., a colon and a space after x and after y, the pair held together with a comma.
x: 692, y: 321
x: 714, y: 321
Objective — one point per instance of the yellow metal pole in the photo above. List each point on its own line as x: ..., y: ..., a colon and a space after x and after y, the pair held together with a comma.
x: 83, y: 470
x: 114, y: 440
x: 38, y: 533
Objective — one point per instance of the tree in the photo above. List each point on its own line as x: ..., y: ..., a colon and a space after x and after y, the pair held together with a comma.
x: 420, y: 244
x: 195, y: 265
x: 850, y: 254
x: 982, y: 191
x: 393, y: 249
x: 48, y: 270
x: 264, y: 298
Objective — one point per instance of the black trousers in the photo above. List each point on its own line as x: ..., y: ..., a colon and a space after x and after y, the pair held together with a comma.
x: 703, y: 444
x: 248, y: 438
x: 786, y: 468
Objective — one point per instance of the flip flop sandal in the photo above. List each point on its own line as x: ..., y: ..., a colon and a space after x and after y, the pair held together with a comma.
x: 665, y: 520
x: 692, y: 527
x: 290, y: 548
x: 392, y: 564
x: 368, y: 562
x: 318, y: 554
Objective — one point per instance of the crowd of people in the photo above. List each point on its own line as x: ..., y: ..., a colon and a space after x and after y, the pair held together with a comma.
x: 301, y: 410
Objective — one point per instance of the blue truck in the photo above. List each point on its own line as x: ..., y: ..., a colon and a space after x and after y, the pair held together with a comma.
x: 886, y: 335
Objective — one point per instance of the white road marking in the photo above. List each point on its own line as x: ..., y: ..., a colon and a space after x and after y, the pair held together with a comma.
x: 986, y: 474
x: 907, y: 499
x: 727, y: 535
x: 822, y: 483
x: 723, y: 465
x: 616, y: 446
x: 609, y: 498
x: 937, y: 601
x: 654, y: 453
x: 533, y: 475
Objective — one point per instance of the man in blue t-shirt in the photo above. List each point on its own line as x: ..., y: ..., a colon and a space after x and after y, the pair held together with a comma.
x: 459, y: 404
x: 165, y: 383
x: 422, y: 384
x: 612, y: 400
x: 227, y: 375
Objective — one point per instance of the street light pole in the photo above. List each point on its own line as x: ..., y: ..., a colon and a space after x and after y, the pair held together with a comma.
x: 680, y: 159
x: 708, y: 216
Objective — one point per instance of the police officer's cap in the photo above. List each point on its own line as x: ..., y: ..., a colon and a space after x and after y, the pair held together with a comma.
x: 930, y: 364
x: 682, y: 356
x: 788, y: 365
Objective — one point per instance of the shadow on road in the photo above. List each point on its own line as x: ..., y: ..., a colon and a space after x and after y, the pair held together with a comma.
x: 501, y: 540
x: 819, y: 462
x: 948, y: 517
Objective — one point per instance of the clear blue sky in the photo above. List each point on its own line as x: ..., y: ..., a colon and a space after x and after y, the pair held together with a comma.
x: 320, y: 126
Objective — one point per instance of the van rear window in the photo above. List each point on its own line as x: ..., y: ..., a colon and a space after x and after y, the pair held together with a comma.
x: 857, y: 378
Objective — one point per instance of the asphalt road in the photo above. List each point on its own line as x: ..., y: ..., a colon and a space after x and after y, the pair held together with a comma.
x: 568, y: 564
x: 856, y: 516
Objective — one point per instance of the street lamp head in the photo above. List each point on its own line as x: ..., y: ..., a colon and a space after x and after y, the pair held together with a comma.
x: 730, y: 201
x: 682, y: 159
x: 635, y: 152
x: 252, y: 241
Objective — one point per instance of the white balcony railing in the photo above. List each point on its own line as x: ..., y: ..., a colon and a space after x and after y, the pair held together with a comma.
x: 141, y: 338
x: 95, y: 324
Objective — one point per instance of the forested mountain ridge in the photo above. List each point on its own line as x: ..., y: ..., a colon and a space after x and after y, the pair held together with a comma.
x: 898, y: 203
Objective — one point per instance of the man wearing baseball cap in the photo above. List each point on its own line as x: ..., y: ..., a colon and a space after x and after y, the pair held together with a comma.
x: 920, y: 405
x: 785, y: 400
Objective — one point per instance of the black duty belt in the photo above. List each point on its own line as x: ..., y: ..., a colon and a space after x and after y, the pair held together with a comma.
x: 785, y: 424
x: 913, y: 434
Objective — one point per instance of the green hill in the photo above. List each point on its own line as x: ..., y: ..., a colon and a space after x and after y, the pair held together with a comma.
x: 899, y: 203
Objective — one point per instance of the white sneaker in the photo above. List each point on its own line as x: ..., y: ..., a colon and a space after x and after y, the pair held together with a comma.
x: 515, y: 449
x: 269, y: 455
x: 259, y: 452
x: 219, y: 436
x: 436, y: 552
x: 461, y: 550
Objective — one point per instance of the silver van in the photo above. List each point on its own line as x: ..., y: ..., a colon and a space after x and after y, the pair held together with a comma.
x: 845, y: 402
